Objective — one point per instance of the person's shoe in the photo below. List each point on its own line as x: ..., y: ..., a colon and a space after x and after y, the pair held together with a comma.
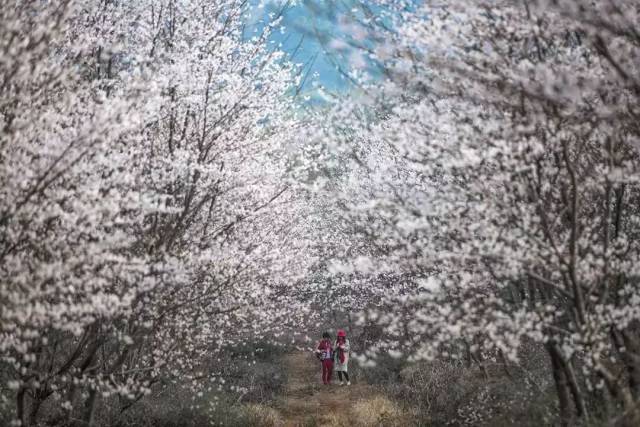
x: 348, y: 382
x: 341, y: 383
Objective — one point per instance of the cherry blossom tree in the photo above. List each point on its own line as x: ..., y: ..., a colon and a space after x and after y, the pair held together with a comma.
x: 497, y: 191
x: 147, y: 217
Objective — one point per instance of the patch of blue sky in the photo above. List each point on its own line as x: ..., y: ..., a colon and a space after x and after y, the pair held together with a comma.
x: 300, y: 34
x: 332, y: 40
x: 316, y: 34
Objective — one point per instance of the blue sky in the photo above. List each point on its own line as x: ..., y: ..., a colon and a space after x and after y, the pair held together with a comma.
x: 320, y: 34
x: 302, y: 24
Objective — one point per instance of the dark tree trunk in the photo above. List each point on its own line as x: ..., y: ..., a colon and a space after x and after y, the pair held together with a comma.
x: 630, y: 358
x: 33, y: 411
x: 562, y: 386
x: 20, y: 405
x: 89, y: 409
x: 578, y: 398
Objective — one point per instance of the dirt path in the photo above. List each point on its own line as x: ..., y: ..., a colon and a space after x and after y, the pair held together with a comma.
x: 310, y: 403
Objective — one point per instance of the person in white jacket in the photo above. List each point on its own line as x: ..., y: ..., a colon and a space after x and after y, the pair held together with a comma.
x: 341, y: 356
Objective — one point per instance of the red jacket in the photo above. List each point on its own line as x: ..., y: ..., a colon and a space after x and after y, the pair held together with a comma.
x: 325, y: 349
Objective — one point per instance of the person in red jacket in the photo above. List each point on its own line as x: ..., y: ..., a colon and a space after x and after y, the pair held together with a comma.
x: 324, y: 351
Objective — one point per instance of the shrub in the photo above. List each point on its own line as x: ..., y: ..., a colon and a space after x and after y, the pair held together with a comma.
x: 378, y: 411
x: 262, y: 416
x: 452, y: 393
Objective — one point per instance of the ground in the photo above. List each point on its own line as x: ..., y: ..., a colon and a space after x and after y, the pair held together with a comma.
x: 307, y: 402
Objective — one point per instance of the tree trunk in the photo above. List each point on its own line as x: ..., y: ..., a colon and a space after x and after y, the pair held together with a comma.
x: 604, y: 407
x: 578, y: 399
x: 20, y: 405
x: 89, y: 409
x: 562, y: 386
x: 36, y: 402
x: 632, y: 347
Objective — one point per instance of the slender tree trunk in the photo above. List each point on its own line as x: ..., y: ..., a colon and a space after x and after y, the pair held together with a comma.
x: 20, y: 405
x: 71, y: 395
x: 604, y: 407
x: 505, y: 365
x: 631, y: 413
x: 628, y: 349
x: 477, y: 358
x: 562, y: 386
x: 33, y: 411
x: 578, y: 398
x: 632, y: 347
x: 88, y: 417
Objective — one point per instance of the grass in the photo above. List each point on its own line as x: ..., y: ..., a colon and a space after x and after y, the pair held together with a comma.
x: 378, y: 411
x: 258, y: 415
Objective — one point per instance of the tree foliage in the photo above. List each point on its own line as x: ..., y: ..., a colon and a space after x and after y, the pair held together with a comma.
x: 144, y: 197
x: 496, y: 190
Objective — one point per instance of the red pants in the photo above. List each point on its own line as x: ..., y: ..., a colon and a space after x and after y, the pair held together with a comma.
x: 327, y: 370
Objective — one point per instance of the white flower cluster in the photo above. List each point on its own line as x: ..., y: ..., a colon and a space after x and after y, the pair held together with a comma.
x: 146, y: 217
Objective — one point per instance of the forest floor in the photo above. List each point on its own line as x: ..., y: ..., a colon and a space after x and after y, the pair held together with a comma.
x: 307, y: 402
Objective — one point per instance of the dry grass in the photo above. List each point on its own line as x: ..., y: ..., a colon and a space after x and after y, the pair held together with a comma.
x: 378, y: 411
x: 263, y: 416
x: 308, y: 404
x: 336, y: 420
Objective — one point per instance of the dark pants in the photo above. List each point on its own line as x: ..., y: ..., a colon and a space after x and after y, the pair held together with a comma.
x: 327, y: 370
